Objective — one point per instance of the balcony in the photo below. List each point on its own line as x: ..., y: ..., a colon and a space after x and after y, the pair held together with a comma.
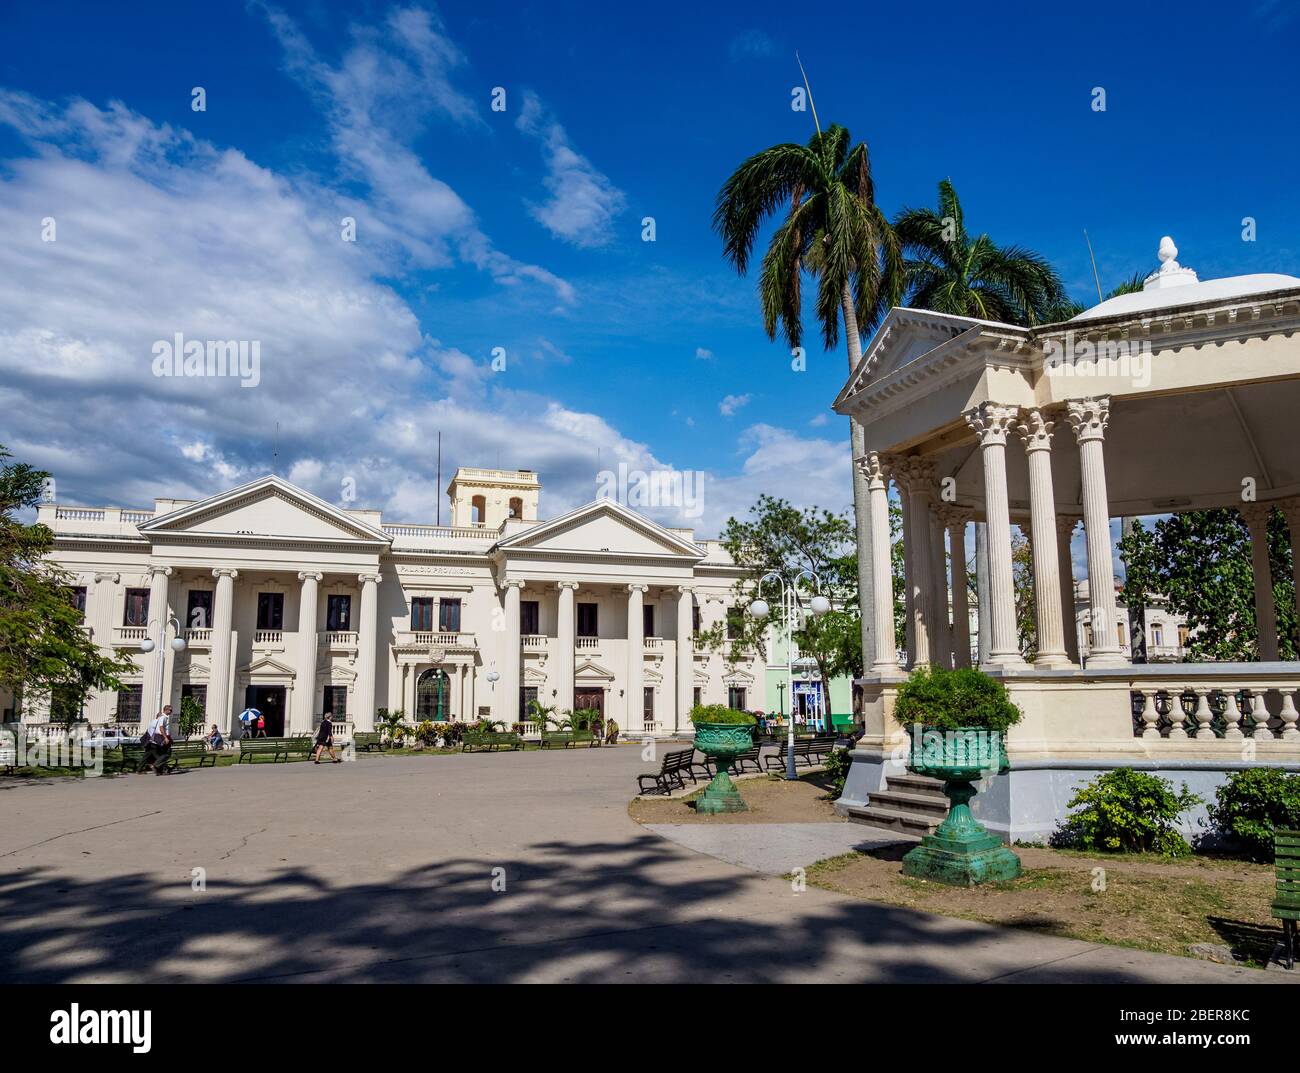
x: 198, y: 638
x: 587, y: 645
x: 533, y: 642
x: 129, y: 636
x: 268, y: 640
x: 654, y: 644
x: 339, y: 640
x: 445, y: 639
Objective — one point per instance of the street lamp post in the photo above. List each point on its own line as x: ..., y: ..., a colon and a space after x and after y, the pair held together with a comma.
x: 178, y: 645
x: 759, y: 611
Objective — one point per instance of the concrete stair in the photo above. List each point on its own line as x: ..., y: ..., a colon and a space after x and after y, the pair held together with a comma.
x: 911, y: 804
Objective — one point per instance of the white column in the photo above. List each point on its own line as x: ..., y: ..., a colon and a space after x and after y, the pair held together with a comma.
x: 1256, y: 516
x: 567, y: 640
x: 1088, y: 418
x: 991, y: 422
x: 916, y: 475
x: 941, y: 640
x: 1291, y: 509
x: 219, y: 700
x: 882, y: 573
x: 1036, y: 430
x: 955, y: 518
x: 367, y: 652
x: 304, y: 695
x: 685, y: 656
x: 1065, y: 571
x: 635, y: 658
x: 155, y: 678
x: 505, y: 700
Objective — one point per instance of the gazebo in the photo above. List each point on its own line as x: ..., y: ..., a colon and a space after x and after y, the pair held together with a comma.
x: 1181, y: 396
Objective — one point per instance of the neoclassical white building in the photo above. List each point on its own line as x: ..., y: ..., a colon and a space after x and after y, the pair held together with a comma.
x: 300, y: 607
x: 1049, y: 427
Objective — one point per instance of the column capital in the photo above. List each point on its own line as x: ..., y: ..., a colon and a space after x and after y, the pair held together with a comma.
x: 1065, y: 524
x: 685, y: 590
x: 1035, y: 428
x: 113, y: 577
x: 951, y: 515
x: 1290, y: 509
x: 991, y: 421
x: 913, y: 473
x: 374, y: 578
x: 567, y: 585
x: 152, y: 571
x: 1088, y: 417
x: 226, y: 571
x: 310, y: 575
x: 632, y: 589
x: 513, y: 583
x: 1256, y: 515
x: 874, y: 466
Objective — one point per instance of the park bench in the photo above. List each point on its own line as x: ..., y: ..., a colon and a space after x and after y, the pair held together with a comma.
x: 8, y: 758
x: 491, y: 740
x: 749, y: 756
x: 278, y: 749
x: 562, y: 738
x: 670, y: 772
x: 1286, y: 901
x: 367, y: 740
x: 810, y: 751
x: 191, y: 754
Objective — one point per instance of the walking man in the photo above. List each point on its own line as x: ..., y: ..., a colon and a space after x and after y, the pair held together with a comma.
x: 325, y: 740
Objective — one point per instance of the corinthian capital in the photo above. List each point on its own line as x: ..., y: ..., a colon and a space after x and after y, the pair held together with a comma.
x: 913, y: 473
x: 1088, y: 417
x: 991, y: 421
x: 875, y: 467
x: 1035, y: 428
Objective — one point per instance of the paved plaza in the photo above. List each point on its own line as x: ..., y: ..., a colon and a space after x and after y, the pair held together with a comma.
x: 388, y: 869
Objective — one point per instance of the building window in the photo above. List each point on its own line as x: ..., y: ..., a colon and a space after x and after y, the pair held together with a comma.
x: 1121, y: 634
x: 77, y: 594
x: 587, y: 620
x: 527, y: 698
x: 648, y: 620
x: 516, y: 508
x: 129, y: 700
x: 735, y: 623
x: 1182, y: 636
x: 270, y: 610
x: 648, y: 704
x: 1157, y: 636
x: 695, y: 618
x: 736, y: 698
x: 198, y: 692
x: 433, y: 696
x: 137, y: 608
x: 198, y: 609
x: 478, y: 510
x: 338, y: 613
x: 697, y: 696
x: 422, y: 613
x: 449, y: 616
x: 528, y: 618
x: 335, y: 702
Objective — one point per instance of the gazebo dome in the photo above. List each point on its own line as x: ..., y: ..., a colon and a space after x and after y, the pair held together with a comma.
x: 1173, y: 285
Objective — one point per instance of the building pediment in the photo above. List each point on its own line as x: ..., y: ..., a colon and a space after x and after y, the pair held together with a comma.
x: 267, y: 665
x: 269, y: 508
x: 601, y: 527
x: 592, y: 672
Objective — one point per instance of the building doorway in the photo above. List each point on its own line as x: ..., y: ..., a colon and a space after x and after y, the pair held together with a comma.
x: 433, y: 696
x: 591, y: 699
x: 269, y: 700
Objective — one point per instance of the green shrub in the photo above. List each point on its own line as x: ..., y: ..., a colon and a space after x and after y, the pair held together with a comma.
x: 1127, y: 811
x: 427, y: 734
x: 720, y: 713
x: 955, y: 700
x: 837, y: 769
x: 1254, y: 803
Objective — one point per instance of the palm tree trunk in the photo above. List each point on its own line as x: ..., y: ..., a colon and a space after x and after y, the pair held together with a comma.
x: 861, y: 498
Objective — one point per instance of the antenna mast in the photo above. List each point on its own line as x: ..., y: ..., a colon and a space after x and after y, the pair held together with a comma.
x: 1093, y: 257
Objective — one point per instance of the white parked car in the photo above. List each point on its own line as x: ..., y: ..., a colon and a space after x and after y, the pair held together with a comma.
x: 108, y: 738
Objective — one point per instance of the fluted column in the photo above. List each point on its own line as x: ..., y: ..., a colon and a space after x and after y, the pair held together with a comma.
x: 367, y: 652
x: 941, y: 638
x: 304, y: 694
x: 635, y: 658
x: 155, y: 678
x: 1088, y: 418
x: 567, y: 640
x: 505, y: 702
x: 916, y: 476
x: 219, y: 699
x: 876, y: 471
x: 955, y: 519
x: 1036, y: 430
x: 685, y: 655
x: 1256, y: 516
x: 1065, y: 571
x: 1291, y: 510
x: 991, y: 422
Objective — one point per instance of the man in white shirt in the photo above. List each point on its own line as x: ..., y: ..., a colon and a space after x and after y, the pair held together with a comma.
x: 159, y: 747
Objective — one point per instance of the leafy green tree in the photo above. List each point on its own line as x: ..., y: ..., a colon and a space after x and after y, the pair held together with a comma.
x: 949, y: 271
x: 45, y: 654
x: 1069, y: 309
x: 1200, y: 560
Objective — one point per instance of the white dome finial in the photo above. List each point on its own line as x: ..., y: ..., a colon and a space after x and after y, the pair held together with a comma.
x: 1170, y: 273
x: 1168, y: 251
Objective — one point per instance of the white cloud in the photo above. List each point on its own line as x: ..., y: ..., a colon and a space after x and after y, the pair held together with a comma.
x: 820, y: 420
x: 751, y: 44
x: 731, y: 403
x: 703, y: 354
x: 583, y: 203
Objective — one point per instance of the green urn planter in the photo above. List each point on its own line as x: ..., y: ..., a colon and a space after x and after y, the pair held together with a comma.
x: 960, y: 852
x: 722, y: 743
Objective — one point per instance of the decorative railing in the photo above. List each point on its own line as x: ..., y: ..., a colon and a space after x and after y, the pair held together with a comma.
x: 78, y: 514
x: 651, y: 726
x: 440, y: 531
x: 340, y: 638
x: 589, y: 644
x: 268, y: 637
x: 654, y: 643
x: 1204, y: 702
x: 435, y: 637
x: 135, y: 517
x: 529, y: 729
x: 130, y: 634
x: 533, y: 640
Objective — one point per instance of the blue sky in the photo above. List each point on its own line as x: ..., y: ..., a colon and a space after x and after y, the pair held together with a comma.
x: 522, y: 229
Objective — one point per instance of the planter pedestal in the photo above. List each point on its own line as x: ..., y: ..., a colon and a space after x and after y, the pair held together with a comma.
x: 961, y: 852
x: 721, y: 795
x: 723, y: 742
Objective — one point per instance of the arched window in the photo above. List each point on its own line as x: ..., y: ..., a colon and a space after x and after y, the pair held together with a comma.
x: 478, y: 510
x: 433, y: 696
x: 516, y: 507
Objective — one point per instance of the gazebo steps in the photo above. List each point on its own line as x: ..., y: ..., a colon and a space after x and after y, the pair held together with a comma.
x: 912, y: 804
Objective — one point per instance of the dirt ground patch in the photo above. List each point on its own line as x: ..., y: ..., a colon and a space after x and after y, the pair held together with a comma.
x: 771, y: 799
x: 1123, y: 900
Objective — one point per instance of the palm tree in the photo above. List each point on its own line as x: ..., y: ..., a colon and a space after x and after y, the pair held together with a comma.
x: 947, y: 271
x: 832, y: 229
x: 1070, y: 308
